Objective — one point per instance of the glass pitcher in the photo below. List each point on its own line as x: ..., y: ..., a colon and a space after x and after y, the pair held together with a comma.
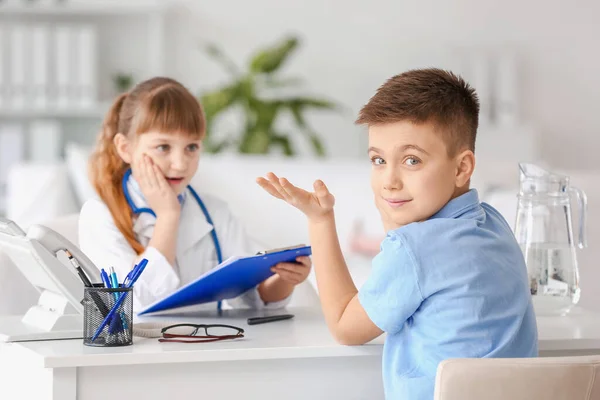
x: 545, y: 233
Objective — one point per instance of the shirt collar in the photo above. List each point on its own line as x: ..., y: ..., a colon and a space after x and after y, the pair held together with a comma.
x: 459, y: 205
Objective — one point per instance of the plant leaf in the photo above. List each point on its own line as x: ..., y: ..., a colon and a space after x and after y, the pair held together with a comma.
x: 211, y: 147
x: 271, y: 82
x: 272, y: 58
x: 255, y: 141
x: 284, y: 142
x: 219, y: 100
x: 296, y: 110
x: 304, y: 102
x: 216, y: 54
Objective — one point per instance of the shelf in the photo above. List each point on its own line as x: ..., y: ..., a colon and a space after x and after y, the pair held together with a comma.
x: 96, y: 111
x: 83, y: 7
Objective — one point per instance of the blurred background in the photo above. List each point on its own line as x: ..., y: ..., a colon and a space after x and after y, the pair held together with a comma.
x: 306, y: 67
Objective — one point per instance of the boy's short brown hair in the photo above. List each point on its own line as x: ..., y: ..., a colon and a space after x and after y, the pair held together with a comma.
x: 428, y: 95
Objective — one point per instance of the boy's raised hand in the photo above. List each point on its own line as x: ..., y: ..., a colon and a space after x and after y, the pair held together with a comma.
x: 315, y: 205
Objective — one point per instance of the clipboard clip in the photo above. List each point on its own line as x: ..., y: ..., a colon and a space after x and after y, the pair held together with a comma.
x: 298, y: 246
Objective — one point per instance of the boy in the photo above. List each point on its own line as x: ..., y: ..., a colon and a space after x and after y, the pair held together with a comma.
x: 450, y: 279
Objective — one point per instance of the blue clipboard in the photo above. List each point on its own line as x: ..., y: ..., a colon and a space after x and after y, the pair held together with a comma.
x: 228, y: 280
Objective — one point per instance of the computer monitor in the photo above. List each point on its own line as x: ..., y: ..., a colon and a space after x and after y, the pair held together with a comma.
x: 40, y: 256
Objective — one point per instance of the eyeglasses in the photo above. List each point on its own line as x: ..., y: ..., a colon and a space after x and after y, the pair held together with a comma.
x: 192, y: 333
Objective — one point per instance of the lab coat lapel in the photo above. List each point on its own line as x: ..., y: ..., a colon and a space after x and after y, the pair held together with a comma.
x: 193, y: 225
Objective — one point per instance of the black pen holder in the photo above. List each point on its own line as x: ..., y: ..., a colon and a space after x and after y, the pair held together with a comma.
x: 98, y: 301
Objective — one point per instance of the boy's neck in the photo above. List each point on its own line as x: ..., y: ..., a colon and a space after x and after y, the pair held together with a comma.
x: 459, y: 191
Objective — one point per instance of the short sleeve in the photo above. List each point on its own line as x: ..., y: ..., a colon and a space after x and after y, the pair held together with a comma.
x: 391, y: 293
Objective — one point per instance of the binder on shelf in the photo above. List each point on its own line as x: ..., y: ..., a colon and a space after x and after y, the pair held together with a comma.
x: 3, y: 58
x: 86, y: 65
x: 63, y: 65
x: 12, y: 148
x: 18, y: 66
x: 39, y: 64
x: 45, y: 140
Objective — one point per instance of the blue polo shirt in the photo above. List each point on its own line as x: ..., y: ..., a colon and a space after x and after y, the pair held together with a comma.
x: 452, y: 286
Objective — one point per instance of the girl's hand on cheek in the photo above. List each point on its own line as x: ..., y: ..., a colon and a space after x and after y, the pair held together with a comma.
x: 157, y: 191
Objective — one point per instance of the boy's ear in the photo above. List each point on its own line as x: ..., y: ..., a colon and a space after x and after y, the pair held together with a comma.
x: 122, y: 144
x: 465, y: 165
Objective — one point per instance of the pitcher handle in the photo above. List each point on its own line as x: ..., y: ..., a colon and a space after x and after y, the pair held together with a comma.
x: 582, y: 200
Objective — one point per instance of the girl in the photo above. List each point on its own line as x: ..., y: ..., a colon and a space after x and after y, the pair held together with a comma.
x: 146, y: 155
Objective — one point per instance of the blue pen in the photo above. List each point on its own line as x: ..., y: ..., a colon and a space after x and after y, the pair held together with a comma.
x: 114, y: 279
x: 131, y: 274
x: 140, y: 269
x: 115, y: 285
x: 105, y: 279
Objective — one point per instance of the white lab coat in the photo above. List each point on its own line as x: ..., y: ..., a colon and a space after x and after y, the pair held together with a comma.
x: 103, y: 243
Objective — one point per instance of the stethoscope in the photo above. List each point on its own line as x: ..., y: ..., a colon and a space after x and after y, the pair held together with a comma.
x: 140, y: 210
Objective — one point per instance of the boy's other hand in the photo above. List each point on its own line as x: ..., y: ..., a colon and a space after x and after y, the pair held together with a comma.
x: 315, y: 205
x: 293, y: 273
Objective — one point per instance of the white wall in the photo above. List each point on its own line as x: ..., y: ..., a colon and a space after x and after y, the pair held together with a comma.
x: 351, y: 47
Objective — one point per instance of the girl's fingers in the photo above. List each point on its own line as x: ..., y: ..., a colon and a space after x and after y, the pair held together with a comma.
x: 289, y: 267
x: 140, y: 170
x: 265, y: 184
x: 151, y: 174
x: 304, y: 261
x: 289, y: 277
x: 161, y: 181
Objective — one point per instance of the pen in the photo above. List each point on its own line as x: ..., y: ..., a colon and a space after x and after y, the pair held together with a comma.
x: 115, y: 285
x: 108, y: 285
x: 134, y: 271
x: 140, y: 268
x: 86, y: 282
x: 105, y: 279
x: 272, y: 318
x: 80, y: 272
x: 114, y: 279
x: 137, y: 271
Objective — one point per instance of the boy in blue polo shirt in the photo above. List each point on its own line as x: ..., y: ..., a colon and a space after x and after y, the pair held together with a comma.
x: 450, y: 280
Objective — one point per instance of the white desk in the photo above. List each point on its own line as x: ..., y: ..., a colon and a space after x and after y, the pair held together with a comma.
x: 294, y: 359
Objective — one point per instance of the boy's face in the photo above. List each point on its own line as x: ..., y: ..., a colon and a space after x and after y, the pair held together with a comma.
x: 412, y: 175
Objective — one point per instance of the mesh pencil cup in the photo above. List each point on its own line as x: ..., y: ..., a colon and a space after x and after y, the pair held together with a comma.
x: 97, y: 303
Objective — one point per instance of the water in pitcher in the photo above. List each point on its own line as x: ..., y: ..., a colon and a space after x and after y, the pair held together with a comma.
x: 553, y: 279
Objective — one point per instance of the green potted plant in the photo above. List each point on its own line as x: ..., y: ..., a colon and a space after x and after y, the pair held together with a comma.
x: 246, y: 91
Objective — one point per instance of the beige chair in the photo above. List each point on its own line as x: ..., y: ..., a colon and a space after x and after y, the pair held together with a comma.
x: 544, y: 378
